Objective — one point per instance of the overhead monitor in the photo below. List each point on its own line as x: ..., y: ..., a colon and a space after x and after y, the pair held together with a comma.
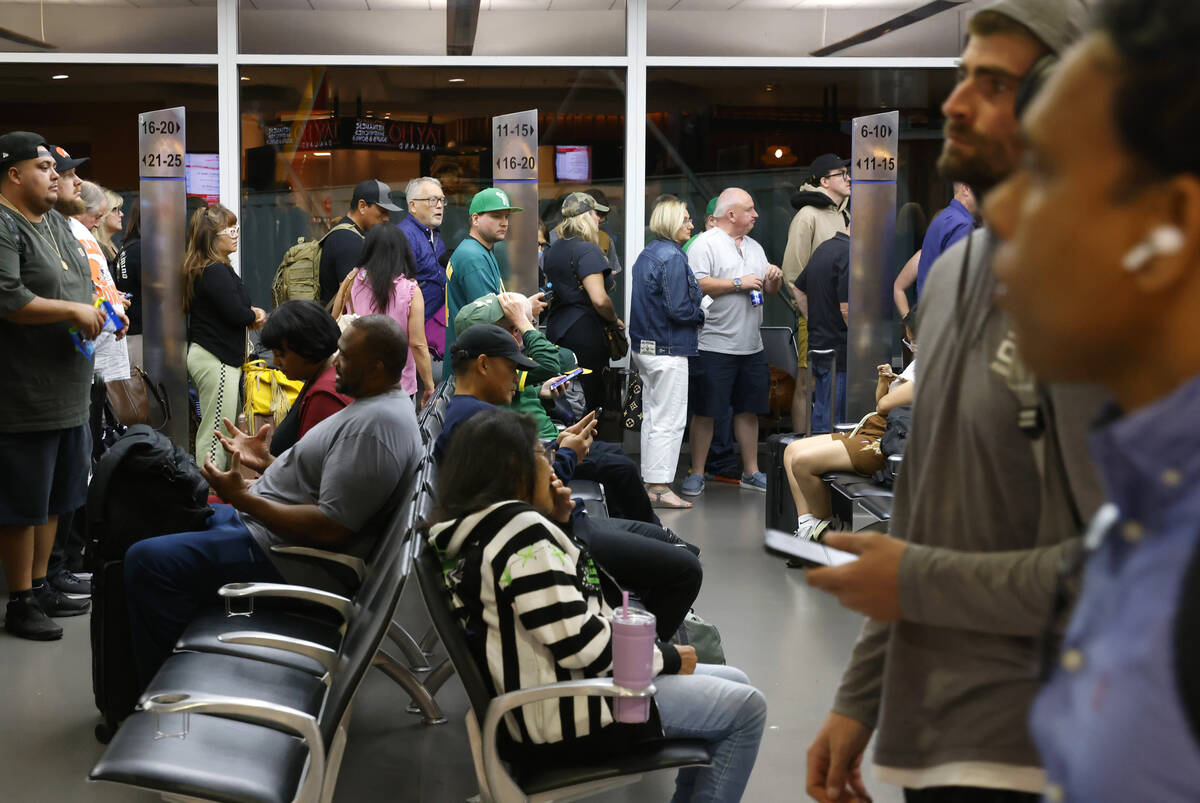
x: 202, y: 176
x: 573, y: 163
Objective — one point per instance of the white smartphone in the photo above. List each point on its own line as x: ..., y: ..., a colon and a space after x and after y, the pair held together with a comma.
x: 810, y: 553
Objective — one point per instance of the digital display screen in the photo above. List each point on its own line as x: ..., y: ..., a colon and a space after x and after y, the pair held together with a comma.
x: 573, y: 163
x: 202, y: 176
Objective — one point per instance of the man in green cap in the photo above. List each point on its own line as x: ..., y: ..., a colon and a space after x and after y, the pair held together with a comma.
x: 710, y: 220
x: 473, y: 270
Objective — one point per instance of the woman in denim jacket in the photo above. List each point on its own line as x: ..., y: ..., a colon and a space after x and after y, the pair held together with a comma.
x: 664, y: 325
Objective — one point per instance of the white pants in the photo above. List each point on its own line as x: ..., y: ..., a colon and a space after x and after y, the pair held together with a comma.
x: 664, y: 413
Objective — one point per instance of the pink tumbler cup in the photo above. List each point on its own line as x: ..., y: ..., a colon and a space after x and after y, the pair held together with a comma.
x: 633, y: 634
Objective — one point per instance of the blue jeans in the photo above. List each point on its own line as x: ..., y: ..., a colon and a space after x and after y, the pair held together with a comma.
x: 716, y: 704
x: 822, y: 376
x: 168, y: 580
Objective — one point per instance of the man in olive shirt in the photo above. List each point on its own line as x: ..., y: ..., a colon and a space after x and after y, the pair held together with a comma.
x: 45, y: 291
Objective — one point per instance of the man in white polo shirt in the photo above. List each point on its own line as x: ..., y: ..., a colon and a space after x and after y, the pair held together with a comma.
x: 731, y: 369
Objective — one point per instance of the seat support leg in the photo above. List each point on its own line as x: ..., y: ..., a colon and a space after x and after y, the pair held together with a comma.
x: 429, y: 641
x: 422, y: 699
x: 417, y: 659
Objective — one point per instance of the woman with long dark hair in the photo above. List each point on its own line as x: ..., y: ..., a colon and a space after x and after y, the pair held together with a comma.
x: 127, y: 273
x: 537, y: 609
x: 219, y: 313
x: 385, y: 284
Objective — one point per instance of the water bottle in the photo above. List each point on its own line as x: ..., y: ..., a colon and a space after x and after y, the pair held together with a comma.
x: 756, y: 298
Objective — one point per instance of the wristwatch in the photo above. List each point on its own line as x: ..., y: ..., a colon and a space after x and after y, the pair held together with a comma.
x: 737, y: 284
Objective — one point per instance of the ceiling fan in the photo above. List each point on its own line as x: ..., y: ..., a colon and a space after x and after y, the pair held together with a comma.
x: 22, y: 39
x: 908, y: 18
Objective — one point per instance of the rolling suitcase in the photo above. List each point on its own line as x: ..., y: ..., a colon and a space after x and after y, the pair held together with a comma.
x: 781, y: 511
x: 143, y: 486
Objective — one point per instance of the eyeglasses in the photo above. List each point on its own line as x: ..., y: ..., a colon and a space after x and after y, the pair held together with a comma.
x: 839, y: 174
x: 231, y: 232
x: 439, y: 201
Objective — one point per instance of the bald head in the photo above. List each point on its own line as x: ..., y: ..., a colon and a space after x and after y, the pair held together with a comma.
x: 735, y: 213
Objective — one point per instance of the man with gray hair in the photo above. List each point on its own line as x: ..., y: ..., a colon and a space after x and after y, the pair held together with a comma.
x: 995, y: 484
x: 730, y: 369
x: 422, y: 227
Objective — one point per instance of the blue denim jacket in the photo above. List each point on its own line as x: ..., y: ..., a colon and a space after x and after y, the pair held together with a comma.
x: 666, y: 312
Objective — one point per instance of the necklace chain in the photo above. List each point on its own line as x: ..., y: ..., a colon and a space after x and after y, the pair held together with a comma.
x: 48, y: 240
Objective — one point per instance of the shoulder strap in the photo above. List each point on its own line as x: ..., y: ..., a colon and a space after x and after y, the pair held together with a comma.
x: 342, y: 227
x: 1186, y: 647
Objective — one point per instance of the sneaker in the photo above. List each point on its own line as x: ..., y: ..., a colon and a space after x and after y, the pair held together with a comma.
x: 812, y: 529
x: 26, y: 619
x: 754, y: 482
x: 70, y: 583
x: 675, y: 540
x: 692, y: 485
x: 56, y: 603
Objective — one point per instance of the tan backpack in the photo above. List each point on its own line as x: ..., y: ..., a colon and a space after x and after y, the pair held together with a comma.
x: 299, y: 274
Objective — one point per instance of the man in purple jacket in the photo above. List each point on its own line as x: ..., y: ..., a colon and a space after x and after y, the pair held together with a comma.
x: 426, y: 206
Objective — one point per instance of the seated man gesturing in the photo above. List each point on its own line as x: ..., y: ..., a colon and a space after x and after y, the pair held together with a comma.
x: 335, y: 489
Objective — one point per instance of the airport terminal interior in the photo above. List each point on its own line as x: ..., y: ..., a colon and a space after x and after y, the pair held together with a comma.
x: 289, y: 104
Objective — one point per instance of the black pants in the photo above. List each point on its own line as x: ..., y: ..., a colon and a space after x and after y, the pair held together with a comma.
x: 642, y: 559
x: 586, y: 338
x: 967, y: 794
x: 622, y: 479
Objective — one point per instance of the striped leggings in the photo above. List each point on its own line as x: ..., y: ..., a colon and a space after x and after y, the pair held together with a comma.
x: 218, y: 387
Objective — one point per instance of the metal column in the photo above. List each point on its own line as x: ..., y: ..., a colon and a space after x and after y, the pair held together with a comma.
x: 872, y: 235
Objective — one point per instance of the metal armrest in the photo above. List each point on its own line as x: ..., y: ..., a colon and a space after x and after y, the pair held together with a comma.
x: 845, y: 429
x: 232, y: 591
x: 497, y: 778
x: 259, y: 712
x: 323, y: 655
x: 354, y: 564
x: 895, y: 461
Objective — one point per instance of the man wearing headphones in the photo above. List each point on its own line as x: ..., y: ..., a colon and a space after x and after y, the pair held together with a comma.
x: 995, y: 482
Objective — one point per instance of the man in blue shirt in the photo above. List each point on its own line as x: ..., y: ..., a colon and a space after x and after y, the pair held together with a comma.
x: 422, y: 228
x: 948, y: 227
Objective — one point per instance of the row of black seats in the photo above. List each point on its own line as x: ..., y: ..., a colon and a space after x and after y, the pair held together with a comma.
x: 253, y: 705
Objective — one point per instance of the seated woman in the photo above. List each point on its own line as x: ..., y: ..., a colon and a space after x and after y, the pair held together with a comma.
x: 808, y: 458
x: 537, y: 610
x: 303, y: 340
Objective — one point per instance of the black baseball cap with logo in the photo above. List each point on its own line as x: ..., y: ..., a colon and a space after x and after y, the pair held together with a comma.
x: 374, y: 191
x: 62, y: 160
x: 489, y: 339
x: 17, y: 146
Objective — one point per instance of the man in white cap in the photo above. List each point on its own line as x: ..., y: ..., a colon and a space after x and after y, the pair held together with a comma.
x: 995, y: 482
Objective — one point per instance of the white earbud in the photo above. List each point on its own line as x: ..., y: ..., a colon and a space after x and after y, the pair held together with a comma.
x: 1162, y: 241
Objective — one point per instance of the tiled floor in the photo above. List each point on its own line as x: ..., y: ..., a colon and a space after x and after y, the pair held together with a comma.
x: 791, y: 640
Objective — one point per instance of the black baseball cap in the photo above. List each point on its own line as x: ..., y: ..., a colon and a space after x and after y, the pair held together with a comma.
x: 62, y: 160
x: 824, y: 164
x: 17, y: 146
x: 489, y: 339
x: 374, y: 191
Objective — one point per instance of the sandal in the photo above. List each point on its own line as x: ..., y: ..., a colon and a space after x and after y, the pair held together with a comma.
x: 666, y: 498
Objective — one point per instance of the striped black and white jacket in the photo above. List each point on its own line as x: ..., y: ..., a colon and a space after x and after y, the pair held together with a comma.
x: 536, y: 609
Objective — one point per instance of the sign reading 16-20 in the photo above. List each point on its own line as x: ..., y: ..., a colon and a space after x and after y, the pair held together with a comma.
x: 161, y: 143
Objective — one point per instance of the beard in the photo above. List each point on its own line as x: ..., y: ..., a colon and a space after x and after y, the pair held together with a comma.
x: 70, y: 208
x: 986, y: 165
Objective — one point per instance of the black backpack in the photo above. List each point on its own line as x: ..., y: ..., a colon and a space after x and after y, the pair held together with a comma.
x: 143, y: 486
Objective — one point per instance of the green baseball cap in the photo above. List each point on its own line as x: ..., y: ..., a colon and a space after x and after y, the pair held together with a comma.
x: 485, y: 309
x: 711, y: 209
x: 493, y: 199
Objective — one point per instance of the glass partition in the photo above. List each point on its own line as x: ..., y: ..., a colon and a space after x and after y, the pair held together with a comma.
x: 309, y: 134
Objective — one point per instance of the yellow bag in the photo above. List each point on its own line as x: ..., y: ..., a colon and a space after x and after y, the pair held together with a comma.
x: 268, y: 391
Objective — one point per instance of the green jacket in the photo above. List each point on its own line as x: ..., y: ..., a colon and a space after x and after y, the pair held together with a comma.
x: 539, y: 349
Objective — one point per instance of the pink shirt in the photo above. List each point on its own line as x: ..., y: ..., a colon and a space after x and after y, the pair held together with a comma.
x: 363, y: 301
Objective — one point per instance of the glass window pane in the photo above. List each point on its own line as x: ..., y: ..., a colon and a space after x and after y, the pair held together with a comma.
x: 709, y: 129
x: 801, y: 27
x: 370, y: 27
x: 310, y: 134
x: 111, y: 26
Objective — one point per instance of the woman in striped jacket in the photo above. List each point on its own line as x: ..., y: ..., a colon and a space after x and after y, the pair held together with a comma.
x: 536, y: 609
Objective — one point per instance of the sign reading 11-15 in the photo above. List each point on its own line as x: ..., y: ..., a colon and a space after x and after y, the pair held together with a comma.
x: 873, y: 152
x: 514, y: 146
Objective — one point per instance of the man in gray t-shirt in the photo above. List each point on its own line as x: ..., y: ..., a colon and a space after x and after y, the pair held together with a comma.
x: 730, y: 369
x: 336, y: 489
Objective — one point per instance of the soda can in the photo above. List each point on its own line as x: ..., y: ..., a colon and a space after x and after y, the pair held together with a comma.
x: 756, y: 298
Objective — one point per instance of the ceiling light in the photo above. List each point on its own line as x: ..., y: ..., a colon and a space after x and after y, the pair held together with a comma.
x: 322, y: 153
x: 59, y: 77
x: 779, y: 153
x: 457, y: 80
x: 245, y: 78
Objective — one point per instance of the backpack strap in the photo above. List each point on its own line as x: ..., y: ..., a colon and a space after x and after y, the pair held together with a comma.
x: 342, y: 227
x: 1186, y: 647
